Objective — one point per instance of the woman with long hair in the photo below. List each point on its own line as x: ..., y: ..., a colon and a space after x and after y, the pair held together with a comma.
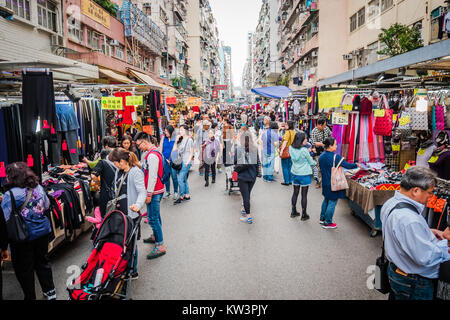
x: 129, y: 186
x: 301, y: 173
x: 29, y: 256
x: 165, y: 148
x: 184, y: 149
x: 286, y: 161
x: 326, y: 161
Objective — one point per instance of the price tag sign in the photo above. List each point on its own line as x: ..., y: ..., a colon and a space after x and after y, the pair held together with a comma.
x: 340, y: 118
x: 404, y: 120
x: 347, y: 107
x: 395, y: 147
x: 433, y: 159
x: 134, y: 100
x: 380, y: 113
x: 112, y: 103
x: 421, y: 152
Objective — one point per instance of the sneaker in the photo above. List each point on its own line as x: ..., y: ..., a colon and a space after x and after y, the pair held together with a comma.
x: 186, y: 199
x: 329, y: 226
x: 246, y: 220
x: 243, y: 213
x: 285, y: 184
x: 166, y: 195
x: 157, y: 252
x: 150, y: 239
x: 178, y: 201
x: 50, y: 295
x: 206, y: 183
x: 321, y: 221
x: 134, y: 276
x: 175, y: 196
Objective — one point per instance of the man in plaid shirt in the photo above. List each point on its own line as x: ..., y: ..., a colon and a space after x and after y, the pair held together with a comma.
x: 318, y: 136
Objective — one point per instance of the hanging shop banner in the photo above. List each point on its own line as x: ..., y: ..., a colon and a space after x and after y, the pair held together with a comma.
x: 215, y: 94
x: 134, y: 101
x: 330, y: 99
x: 112, y: 103
x: 95, y: 12
x: 171, y: 100
x: 192, y: 102
x: 221, y: 87
x: 340, y: 118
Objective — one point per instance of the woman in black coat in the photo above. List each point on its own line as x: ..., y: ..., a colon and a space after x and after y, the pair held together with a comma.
x: 246, y: 159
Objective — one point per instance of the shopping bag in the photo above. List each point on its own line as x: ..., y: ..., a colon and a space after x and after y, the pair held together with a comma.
x: 338, y: 180
x: 383, y: 125
x: 16, y: 225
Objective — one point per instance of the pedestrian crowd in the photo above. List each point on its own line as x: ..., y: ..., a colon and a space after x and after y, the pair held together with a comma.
x: 139, y: 172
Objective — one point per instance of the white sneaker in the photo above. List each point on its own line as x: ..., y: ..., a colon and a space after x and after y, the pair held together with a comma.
x: 175, y: 196
x: 51, y: 295
x: 166, y: 195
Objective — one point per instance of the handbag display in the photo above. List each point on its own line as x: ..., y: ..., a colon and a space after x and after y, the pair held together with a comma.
x: 382, y: 263
x: 338, y: 180
x: 16, y: 225
x: 419, y: 119
x: 403, y: 130
x: 439, y: 116
x: 383, y: 125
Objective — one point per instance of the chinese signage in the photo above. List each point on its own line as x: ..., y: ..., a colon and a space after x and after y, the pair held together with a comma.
x: 192, y: 101
x: 95, y: 12
x: 171, y: 100
x: 221, y: 87
x: 112, y: 103
x: 134, y: 101
x: 214, y: 94
x: 340, y: 118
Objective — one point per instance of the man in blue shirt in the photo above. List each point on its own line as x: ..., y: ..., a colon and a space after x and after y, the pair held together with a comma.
x: 414, y: 251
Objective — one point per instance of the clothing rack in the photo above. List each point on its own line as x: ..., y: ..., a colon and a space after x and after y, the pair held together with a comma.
x: 46, y: 70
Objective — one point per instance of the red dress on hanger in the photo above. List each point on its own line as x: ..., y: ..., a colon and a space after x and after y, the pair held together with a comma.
x: 128, y: 110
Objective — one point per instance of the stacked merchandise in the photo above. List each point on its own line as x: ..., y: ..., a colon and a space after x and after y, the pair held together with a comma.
x: 374, y: 179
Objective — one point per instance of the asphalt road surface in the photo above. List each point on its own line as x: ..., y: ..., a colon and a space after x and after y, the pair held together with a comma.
x: 211, y: 254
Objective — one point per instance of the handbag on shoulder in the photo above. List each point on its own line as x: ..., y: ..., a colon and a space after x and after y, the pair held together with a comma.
x: 338, y: 180
x: 16, y: 225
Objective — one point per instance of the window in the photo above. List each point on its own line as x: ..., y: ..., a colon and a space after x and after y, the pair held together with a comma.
x: 106, y: 47
x: 118, y: 51
x: 418, y: 25
x: 353, y: 22
x: 386, y: 4
x: 129, y: 57
x: 374, y: 8
x: 75, y: 30
x: 372, y: 56
x: 21, y: 8
x: 47, y: 15
x: 93, y: 39
x: 361, y: 16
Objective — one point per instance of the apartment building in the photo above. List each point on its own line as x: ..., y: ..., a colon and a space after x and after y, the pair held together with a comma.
x: 247, y: 74
x: 203, y: 46
x: 32, y: 35
x: 266, y: 67
x: 228, y: 78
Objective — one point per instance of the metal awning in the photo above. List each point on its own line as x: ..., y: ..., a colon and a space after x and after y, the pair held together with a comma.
x: 146, y: 79
x: 115, y: 76
x: 412, y: 58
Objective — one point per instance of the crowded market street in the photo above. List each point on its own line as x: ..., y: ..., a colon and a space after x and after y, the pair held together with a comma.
x: 212, y: 255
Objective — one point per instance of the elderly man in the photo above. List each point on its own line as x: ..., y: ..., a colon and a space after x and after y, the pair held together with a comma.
x: 414, y: 251
x: 269, y: 140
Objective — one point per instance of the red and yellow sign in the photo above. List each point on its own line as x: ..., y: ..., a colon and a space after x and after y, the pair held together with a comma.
x: 171, y: 100
x: 95, y: 12
x: 192, y: 101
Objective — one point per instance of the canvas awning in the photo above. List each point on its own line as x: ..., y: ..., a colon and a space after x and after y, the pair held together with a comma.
x: 146, y: 79
x: 277, y: 92
x: 115, y: 76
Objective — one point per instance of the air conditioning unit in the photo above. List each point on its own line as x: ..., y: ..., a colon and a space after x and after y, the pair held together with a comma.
x: 56, y: 41
x: 348, y: 56
x: 147, y: 5
x: 315, y: 29
x: 114, y: 43
x: 314, y: 54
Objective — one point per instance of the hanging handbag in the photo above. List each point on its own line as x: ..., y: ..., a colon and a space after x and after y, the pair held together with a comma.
x: 112, y: 204
x: 419, y: 119
x: 383, y: 125
x: 16, y: 225
x: 381, y: 280
x: 439, y: 116
x: 338, y: 180
x: 403, y: 128
x: 285, y: 154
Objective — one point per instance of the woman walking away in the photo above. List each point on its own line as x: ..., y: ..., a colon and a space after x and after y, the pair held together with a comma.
x: 129, y: 187
x: 246, y: 158
x: 29, y: 199
x: 326, y: 162
x: 182, y: 153
x: 286, y: 161
x: 166, y: 149
x: 301, y: 171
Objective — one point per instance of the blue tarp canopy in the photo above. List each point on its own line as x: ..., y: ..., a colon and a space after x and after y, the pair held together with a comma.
x: 277, y: 92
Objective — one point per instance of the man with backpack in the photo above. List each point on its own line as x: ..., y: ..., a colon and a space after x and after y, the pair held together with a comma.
x: 153, y: 165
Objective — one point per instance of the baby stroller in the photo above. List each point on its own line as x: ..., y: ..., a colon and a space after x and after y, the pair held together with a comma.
x: 114, y: 246
x: 232, y: 184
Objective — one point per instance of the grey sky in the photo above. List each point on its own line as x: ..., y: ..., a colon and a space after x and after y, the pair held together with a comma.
x: 235, y: 18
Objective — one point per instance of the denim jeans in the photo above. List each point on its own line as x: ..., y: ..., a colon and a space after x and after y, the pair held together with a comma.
x: 154, y: 218
x: 327, y: 212
x: 286, y: 164
x: 411, y: 287
x: 182, y: 179
x: 173, y: 174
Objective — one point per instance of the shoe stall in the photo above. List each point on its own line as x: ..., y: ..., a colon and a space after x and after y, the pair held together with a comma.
x: 387, y: 130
